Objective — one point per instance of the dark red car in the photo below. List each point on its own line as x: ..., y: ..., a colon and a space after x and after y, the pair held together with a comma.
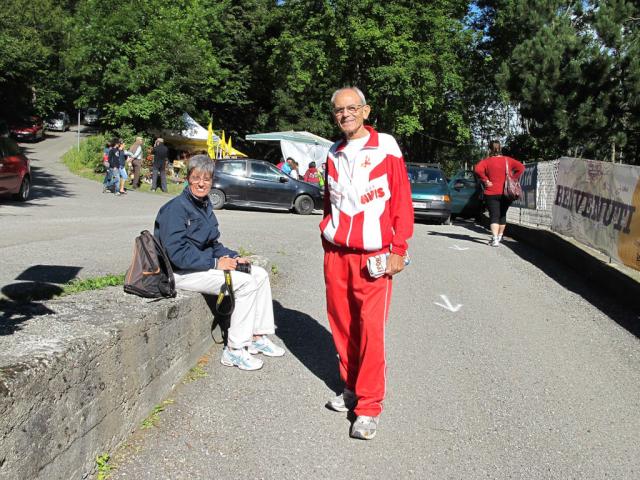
x: 15, y: 171
x: 28, y: 128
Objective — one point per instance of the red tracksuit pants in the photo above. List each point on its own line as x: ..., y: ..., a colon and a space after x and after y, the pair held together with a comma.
x: 357, y: 307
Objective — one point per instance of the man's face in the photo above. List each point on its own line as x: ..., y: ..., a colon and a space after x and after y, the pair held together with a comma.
x: 200, y: 183
x: 350, y: 114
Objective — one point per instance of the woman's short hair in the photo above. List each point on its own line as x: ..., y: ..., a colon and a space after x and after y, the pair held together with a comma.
x: 202, y: 163
x: 312, y: 165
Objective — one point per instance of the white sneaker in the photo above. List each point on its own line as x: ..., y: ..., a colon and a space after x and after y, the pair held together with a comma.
x: 266, y: 347
x: 364, y: 427
x: 494, y: 242
x: 240, y: 358
x: 344, y: 402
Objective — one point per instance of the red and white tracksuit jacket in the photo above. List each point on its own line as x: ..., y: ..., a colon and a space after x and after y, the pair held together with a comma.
x: 368, y: 211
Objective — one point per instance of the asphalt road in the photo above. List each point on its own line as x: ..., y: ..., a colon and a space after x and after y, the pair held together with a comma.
x: 531, y: 377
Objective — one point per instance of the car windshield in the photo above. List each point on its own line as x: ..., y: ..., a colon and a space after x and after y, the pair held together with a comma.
x: 425, y: 175
x: 58, y: 116
x: 92, y: 111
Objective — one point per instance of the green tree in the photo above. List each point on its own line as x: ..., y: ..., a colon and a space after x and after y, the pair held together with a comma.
x: 32, y: 79
x: 572, y: 68
x: 145, y: 62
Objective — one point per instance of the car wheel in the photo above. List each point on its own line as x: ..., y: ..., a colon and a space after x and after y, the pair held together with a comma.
x: 303, y: 205
x: 217, y: 198
x: 25, y: 190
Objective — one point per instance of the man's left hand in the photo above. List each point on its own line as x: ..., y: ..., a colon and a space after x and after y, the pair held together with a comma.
x: 395, y: 264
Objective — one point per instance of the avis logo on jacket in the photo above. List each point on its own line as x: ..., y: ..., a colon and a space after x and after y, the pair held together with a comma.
x: 358, y: 209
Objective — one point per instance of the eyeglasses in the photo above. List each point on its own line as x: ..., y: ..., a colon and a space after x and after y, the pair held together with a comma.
x: 197, y: 179
x: 351, y: 109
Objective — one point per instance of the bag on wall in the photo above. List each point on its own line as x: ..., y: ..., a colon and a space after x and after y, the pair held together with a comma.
x: 150, y: 274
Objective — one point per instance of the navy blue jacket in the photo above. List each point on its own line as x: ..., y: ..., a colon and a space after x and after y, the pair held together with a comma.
x: 188, y: 229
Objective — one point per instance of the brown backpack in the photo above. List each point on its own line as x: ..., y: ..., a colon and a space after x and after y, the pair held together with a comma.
x: 150, y: 274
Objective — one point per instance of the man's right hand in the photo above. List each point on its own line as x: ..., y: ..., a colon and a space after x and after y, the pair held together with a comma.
x: 227, y: 263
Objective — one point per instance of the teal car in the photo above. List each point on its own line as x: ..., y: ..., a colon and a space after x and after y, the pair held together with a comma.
x: 436, y: 198
x: 467, y: 199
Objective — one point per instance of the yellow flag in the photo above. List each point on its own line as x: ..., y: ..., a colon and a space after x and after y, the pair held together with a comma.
x: 210, y: 146
x: 229, y: 147
x: 223, y: 145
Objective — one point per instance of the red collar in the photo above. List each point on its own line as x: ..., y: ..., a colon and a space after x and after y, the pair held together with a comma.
x: 371, y: 143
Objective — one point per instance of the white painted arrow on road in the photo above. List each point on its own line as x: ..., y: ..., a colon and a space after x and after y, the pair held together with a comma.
x: 448, y: 305
x: 460, y: 249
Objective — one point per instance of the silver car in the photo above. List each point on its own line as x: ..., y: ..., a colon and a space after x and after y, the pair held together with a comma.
x: 59, y: 121
x: 91, y: 116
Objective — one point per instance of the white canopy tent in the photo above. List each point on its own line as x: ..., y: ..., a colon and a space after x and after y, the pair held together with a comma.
x: 191, y: 138
x: 303, y: 147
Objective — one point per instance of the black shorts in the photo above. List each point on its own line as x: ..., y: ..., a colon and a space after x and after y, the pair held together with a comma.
x: 498, y: 206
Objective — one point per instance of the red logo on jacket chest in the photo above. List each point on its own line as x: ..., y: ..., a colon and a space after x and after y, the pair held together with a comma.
x: 371, y: 195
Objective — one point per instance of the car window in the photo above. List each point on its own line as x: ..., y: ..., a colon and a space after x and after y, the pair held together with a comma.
x: 237, y: 169
x: 261, y: 171
x: 425, y: 175
x: 8, y: 147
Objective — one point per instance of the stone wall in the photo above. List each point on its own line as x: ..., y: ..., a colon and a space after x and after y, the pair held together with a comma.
x: 79, y: 374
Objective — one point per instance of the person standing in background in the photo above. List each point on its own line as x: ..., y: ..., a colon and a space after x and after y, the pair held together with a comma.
x: 493, y: 173
x: 136, y: 161
x: 160, y: 158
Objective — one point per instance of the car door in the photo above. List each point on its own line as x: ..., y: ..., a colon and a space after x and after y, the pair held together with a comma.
x: 465, y: 193
x: 231, y: 177
x: 10, y: 165
x: 270, y: 186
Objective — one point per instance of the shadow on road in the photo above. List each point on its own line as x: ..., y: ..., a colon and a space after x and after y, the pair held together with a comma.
x: 575, y: 282
x: 37, y: 284
x: 310, y: 342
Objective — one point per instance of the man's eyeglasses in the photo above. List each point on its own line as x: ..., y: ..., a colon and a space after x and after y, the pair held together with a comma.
x: 196, y: 179
x: 351, y: 109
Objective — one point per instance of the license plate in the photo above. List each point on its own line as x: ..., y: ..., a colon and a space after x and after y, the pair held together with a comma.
x: 419, y: 204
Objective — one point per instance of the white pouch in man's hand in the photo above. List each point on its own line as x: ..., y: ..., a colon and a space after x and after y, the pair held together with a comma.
x: 377, y: 265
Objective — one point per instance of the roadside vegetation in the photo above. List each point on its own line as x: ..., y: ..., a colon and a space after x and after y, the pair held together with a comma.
x: 550, y: 77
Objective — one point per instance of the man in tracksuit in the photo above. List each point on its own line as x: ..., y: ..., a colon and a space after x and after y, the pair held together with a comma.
x: 368, y: 212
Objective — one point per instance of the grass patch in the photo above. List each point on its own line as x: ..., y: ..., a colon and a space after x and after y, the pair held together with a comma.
x: 197, y: 371
x: 244, y: 253
x: 274, y: 269
x: 102, y: 466
x: 39, y: 291
x: 154, y: 417
x: 97, y: 283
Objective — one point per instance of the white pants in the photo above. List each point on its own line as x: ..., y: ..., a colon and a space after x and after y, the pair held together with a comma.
x: 253, y: 314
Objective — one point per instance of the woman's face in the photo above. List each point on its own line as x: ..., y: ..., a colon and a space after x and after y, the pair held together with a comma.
x: 200, y: 183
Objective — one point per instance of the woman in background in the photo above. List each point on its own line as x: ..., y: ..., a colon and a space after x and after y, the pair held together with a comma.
x: 493, y: 173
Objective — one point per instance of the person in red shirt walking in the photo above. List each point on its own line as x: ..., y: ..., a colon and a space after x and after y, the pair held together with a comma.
x: 493, y: 173
x: 367, y: 213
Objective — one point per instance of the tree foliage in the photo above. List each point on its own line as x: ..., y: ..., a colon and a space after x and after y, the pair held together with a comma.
x: 552, y: 77
x: 572, y: 68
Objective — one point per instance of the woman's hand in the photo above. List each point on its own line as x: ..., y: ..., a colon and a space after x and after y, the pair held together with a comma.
x: 488, y: 183
x: 227, y: 263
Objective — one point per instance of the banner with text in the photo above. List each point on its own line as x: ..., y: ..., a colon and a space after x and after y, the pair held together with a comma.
x: 598, y: 204
x: 529, y: 184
